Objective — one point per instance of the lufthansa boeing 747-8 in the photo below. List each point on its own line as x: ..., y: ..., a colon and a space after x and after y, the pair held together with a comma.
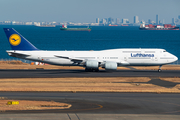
x: 91, y: 60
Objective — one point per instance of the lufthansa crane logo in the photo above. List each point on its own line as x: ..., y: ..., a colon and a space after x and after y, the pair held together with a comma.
x: 15, y: 39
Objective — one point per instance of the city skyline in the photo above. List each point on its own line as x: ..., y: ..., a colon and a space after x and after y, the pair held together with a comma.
x: 88, y: 11
x: 102, y: 22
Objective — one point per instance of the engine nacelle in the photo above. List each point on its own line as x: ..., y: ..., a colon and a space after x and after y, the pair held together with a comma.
x: 92, y: 64
x: 111, y: 66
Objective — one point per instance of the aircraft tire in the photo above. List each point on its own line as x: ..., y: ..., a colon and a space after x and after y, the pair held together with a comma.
x: 91, y: 70
x: 96, y: 70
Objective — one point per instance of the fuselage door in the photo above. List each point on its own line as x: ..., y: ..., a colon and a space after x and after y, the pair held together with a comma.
x: 156, y: 58
x: 125, y: 58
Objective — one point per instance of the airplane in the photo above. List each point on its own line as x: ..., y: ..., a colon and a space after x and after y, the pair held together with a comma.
x: 91, y: 60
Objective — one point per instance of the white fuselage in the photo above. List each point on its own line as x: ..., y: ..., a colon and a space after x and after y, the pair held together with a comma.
x: 123, y: 57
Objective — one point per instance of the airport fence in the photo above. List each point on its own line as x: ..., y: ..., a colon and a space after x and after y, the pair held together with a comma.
x: 17, y: 59
x: 176, y: 62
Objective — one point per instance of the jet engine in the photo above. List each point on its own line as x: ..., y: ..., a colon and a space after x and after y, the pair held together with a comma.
x: 92, y: 64
x: 110, y: 65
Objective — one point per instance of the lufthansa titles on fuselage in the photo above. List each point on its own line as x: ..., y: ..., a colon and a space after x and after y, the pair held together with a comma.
x: 142, y: 55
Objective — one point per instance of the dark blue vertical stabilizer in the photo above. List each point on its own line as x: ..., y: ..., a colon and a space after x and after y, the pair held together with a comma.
x: 17, y: 41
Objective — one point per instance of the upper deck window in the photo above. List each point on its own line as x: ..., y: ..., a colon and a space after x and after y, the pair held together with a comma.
x: 149, y: 51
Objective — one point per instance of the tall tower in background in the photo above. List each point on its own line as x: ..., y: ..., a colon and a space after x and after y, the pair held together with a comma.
x: 136, y: 19
x: 157, y: 19
x: 97, y: 20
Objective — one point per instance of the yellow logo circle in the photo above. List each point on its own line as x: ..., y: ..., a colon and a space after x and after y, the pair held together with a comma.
x: 15, y: 39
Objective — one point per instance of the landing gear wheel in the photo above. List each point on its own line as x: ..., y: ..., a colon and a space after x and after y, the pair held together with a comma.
x: 91, y: 70
x: 87, y: 70
x: 159, y: 70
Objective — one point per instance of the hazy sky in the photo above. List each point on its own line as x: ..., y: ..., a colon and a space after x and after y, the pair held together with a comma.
x: 87, y: 10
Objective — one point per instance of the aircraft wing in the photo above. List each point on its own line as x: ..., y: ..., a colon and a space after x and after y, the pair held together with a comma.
x: 80, y: 60
x: 76, y: 60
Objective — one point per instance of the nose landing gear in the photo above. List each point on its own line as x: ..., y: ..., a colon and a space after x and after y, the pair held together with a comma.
x: 159, y: 70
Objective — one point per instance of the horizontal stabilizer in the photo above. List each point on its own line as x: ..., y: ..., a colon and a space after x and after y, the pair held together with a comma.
x: 14, y: 54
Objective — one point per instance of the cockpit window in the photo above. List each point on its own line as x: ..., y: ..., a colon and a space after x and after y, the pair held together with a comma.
x: 164, y: 51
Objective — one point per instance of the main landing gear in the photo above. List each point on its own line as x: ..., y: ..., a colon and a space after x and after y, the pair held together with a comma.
x: 159, y: 70
x: 91, y: 69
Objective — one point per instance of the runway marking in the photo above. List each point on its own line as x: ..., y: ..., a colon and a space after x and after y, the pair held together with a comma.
x: 100, y: 106
x: 77, y: 116
x: 69, y: 116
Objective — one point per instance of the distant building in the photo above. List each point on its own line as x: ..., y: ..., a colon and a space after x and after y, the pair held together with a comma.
x: 177, y: 21
x: 13, y: 22
x: 153, y: 22
x: 117, y: 21
x: 104, y: 21
x: 28, y: 23
x: 163, y: 22
x: 94, y: 24
x: 97, y: 20
x: 7, y: 22
x: 17, y: 23
x: 160, y: 22
x: 150, y: 21
x: 157, y: 19
x: 136, y: 19
x: 173, y: 20
x: 110, y: 20
x: 125, y: 21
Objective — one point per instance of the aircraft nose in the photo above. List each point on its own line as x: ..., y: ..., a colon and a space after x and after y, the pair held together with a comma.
x: 175, y: 58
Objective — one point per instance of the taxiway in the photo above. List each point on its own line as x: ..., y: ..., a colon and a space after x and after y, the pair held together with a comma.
x: 5, y: 73
x: 99, y: 106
